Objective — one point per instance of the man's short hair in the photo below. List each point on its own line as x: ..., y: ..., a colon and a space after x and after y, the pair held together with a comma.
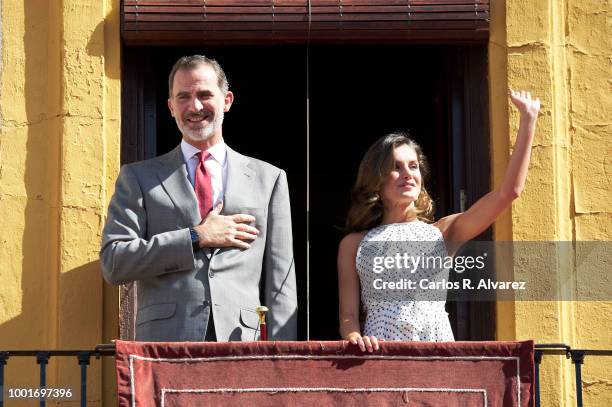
x: 193, y: 62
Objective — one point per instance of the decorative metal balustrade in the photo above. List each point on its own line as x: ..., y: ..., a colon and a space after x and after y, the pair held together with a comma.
x: 82, y: 357
x: 576, y: 355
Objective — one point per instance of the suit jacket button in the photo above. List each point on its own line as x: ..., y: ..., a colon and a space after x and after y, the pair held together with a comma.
x: 211, y: 274
x: 206, y: 303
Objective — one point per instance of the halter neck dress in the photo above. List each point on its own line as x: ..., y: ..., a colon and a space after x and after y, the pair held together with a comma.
x: 403, y: 314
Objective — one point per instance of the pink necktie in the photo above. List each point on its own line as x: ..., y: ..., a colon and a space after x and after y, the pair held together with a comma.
x: 203, y: 185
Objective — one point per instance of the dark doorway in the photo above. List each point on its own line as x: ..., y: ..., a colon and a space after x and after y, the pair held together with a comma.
x: 360, y: 93
x: 338, y: 99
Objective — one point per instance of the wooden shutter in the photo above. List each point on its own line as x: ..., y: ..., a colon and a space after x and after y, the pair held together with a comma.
x: 295, y: 21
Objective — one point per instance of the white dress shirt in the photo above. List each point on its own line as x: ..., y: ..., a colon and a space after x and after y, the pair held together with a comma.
x: 215, y: 164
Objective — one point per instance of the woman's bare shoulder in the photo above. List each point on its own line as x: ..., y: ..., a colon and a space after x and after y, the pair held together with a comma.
x: 351, y: 241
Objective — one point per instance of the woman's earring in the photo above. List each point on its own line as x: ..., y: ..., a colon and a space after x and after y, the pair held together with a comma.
x: 375, y: 198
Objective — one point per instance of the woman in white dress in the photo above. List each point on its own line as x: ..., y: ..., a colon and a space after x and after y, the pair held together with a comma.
x: 390, y: 205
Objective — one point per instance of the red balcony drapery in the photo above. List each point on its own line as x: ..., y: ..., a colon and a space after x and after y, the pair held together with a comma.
x: 325, y: 373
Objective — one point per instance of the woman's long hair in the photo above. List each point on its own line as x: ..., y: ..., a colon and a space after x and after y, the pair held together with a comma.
x: 367, y: 209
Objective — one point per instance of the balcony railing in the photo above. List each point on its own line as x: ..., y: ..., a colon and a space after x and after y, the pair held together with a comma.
x: 42, y: 359
x: 576, y: 355
x: 83, y: 358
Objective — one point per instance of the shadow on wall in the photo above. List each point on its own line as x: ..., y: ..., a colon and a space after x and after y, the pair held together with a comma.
x: 28, y: 331
x: 55, y: 309
x: 106, y: 34
x: 46, y: 244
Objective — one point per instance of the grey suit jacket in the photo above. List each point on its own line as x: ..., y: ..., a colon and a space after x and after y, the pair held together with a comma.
x: 146, y: 239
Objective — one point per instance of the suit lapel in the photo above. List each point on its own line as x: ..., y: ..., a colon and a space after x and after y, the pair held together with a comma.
x: 238, y: 185
x: 174, y: 178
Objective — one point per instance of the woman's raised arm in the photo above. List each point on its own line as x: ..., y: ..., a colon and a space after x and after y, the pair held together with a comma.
x: 464, y: 226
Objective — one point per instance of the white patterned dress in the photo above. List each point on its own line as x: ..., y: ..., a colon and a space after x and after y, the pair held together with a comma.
x: 403, y: 314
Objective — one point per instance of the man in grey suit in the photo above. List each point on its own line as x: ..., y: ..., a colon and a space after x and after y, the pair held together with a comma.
x: 203, y: 230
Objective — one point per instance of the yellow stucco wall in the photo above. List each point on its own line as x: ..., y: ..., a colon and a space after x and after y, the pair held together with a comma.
x: 560, y: 50
x: 59, y: 156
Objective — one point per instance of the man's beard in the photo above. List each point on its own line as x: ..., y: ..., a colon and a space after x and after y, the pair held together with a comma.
x: 205, y: 132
